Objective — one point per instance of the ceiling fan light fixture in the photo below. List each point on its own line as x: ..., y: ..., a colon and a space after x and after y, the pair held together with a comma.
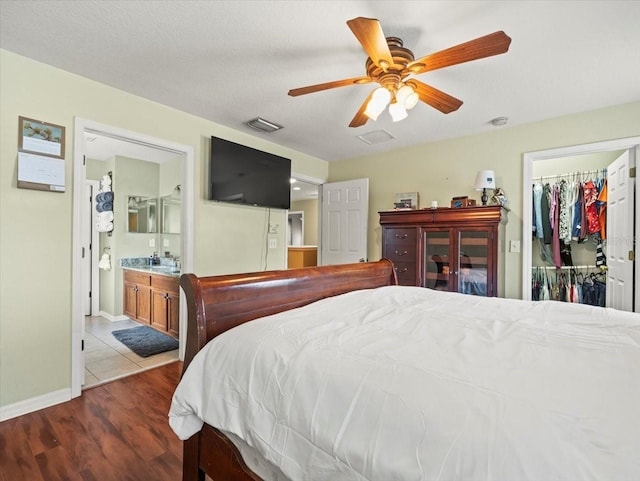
x: 379, y: 100
x: 407, y: 97
x: 397, y: 111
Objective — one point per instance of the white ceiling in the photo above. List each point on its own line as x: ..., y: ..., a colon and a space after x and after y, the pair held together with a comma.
x: 230, y: 61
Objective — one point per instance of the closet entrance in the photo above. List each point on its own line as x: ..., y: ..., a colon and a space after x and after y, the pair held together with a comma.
x: 578, y: 237
x: 569, y: 233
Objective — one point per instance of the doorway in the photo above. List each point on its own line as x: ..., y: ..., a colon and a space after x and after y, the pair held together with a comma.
x: 303, y: 225
x: 82, y: 127
x: 558, y: 158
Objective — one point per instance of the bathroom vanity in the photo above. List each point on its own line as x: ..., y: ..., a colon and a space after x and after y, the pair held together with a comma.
x: 152, y: 296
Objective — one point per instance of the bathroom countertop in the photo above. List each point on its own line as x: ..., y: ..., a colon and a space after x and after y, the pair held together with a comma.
x: 159, y: 270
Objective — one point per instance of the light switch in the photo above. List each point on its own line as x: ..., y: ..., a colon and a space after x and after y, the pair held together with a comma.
x: 152, y: 242
x: 514, y: 246
x: 273, y: 243
x: 165, y: 242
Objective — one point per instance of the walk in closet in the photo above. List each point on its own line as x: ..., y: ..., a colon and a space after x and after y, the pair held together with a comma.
x: 569, y: 217
x: 572, y: 212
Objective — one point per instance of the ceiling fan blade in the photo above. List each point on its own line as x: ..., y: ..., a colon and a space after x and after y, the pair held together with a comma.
x: 370, y: 35
x: 439, y: 100
x: 360, y: 118
x: 493, y: 44
x: 329, y: 85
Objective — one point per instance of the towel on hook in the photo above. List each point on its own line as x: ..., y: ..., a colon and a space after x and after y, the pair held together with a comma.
x: 106, y: 188
x: 106, y: 216
x: 105, y: 262
x: 104, y: 226
x: 103, y: 197
x: 106, y: 180
x: 104, y: 206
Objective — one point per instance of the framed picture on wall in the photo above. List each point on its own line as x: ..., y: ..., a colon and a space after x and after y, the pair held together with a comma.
x: 42, y: 138
x: 406, y: 200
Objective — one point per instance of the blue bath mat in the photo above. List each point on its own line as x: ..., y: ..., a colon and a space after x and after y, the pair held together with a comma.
x: 145, y: 341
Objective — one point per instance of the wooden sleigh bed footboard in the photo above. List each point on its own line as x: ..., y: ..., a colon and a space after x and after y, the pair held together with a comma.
x: 218, y: 303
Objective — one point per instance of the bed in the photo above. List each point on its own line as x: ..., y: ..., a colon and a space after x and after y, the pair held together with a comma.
x: 340, y: 376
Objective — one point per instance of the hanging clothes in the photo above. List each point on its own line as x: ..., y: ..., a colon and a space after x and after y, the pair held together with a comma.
x: 569, y: 286
x: 590, y: 197
x: 545, y: 207
x: 564, y: 220
x: 576, y: 233
x: 555, y: 226
x: 569, y: 210
x: 538, y: 190
x: 602, y: 210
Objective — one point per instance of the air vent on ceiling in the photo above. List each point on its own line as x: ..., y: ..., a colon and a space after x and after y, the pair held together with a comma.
x: 376, y: 137
x: 263, y: 125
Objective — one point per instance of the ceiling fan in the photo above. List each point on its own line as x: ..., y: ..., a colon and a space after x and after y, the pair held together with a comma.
x: 393, y: 66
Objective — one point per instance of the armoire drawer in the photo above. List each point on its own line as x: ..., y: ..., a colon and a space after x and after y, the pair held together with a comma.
x: 406, y: 272
x: 400, y: 236
x: 401, y: 252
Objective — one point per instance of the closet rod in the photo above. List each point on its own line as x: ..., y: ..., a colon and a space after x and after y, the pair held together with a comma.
x: 572, y: 174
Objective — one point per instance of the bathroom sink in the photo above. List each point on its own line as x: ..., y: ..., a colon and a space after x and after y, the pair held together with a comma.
x: 167, y: 269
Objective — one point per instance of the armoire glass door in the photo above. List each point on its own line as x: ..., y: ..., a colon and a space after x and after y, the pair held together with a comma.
x: 437, y: 260
x: 473, y: 259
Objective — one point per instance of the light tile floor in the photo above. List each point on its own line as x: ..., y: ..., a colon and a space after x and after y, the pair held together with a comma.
x: 107, y: 359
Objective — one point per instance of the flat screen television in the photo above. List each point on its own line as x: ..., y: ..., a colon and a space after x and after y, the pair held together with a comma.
x: 243, y: 175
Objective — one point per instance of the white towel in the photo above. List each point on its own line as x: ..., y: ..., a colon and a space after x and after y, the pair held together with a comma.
x: 104, y: 226
x: 106, y: 216
x: 105, y: 188
x: 105, y: 262
x: 106, y: 180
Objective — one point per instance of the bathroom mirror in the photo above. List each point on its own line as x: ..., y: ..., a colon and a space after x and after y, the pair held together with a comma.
x: 142, y: 215
x: 171, y: 209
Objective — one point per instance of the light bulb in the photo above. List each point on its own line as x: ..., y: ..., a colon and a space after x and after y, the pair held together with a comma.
x: 378, y: 102
x: 397, y: 111
x: 374, y: 109
x: 407, y: 97
x: 382, y: 95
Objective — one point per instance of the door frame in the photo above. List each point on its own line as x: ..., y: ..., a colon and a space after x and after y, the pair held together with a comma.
x: 631, y: 143
x: 82, y: 126
x: 318, y: 182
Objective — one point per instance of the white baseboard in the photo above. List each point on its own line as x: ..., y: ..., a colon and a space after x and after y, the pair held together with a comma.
x: 112, y: 318
x: 34, y: 404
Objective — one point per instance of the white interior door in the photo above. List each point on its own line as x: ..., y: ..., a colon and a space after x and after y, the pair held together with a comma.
x: 345, y: 213
x: 620, y: 233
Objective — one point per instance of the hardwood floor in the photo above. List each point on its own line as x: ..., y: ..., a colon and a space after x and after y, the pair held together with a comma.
x: 114, y: 432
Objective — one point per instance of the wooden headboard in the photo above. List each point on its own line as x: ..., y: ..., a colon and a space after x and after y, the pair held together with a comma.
x: 216, y: 304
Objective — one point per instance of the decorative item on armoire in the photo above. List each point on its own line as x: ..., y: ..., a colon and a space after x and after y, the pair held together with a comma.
x: 486, y: 179
x: 499, y: 197
x: 406, y: 201
x: 462, y: 201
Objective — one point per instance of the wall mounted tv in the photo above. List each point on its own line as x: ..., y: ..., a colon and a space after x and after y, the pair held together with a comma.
x: 242, y: 175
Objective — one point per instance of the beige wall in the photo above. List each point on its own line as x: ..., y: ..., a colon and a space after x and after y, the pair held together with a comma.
x: 36, y: 226
x: 441, y: 170
x: 310, y: 209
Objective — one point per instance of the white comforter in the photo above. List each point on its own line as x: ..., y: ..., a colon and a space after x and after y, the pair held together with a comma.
x: 406, y: 383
